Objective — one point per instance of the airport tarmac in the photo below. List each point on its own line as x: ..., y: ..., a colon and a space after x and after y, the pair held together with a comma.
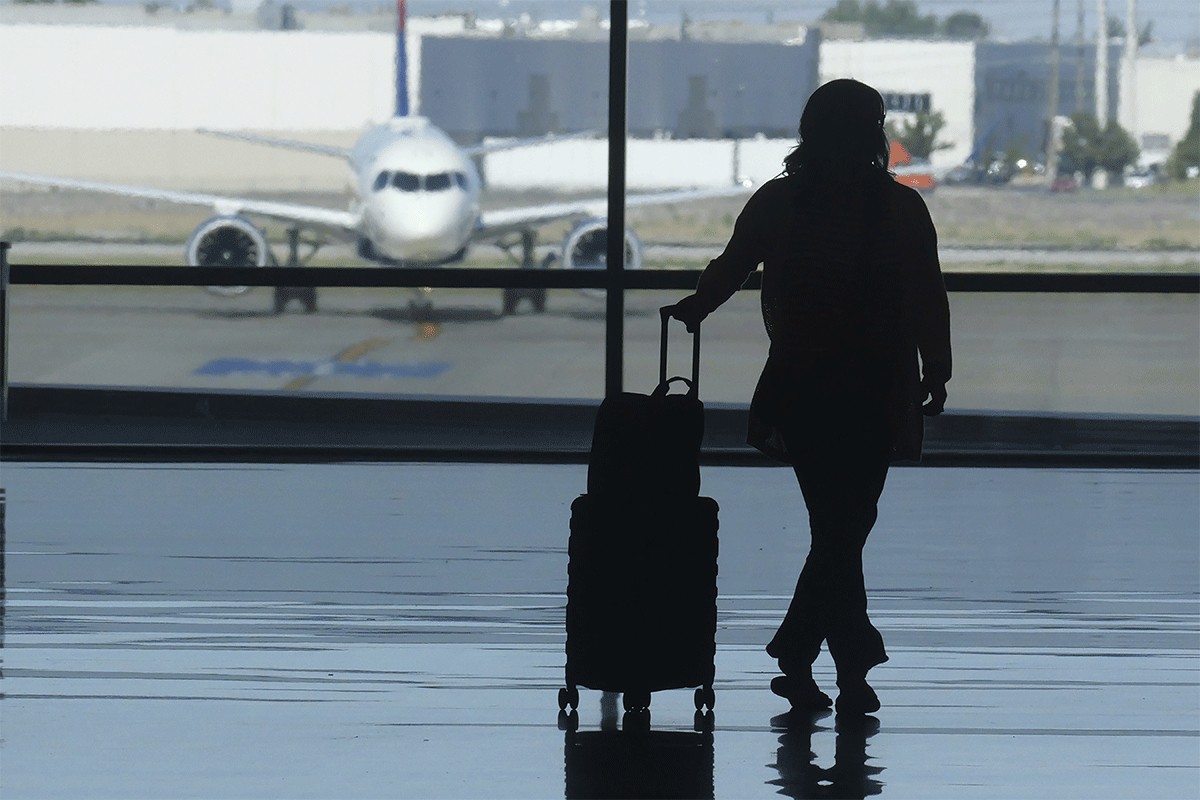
x: 396, y: 630
x: 1057, y: 353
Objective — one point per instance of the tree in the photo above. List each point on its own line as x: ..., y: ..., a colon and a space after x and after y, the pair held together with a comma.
x: 893, y: 18
x: 965, y: 25
x: 1116, y: 149
x: 1187, y: 152
x: 1079, y: 143
x: 844, y: 11
x: 919, y: 135
x: 1116, y: 30
x: 1147, y: 34
x: 1086, y: 147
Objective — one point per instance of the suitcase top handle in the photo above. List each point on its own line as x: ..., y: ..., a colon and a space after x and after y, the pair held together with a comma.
x: 694, y: 383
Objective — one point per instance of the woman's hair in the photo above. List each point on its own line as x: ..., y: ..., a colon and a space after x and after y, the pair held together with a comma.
x: 841, y: 128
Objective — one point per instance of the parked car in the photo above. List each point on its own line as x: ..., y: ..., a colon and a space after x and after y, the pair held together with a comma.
x: 1064, y: 183
x: 1141, y: 178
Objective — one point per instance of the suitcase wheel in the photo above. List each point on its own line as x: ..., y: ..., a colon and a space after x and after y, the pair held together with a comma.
x: 636, y: 700
x: 568, y: 697
x: 705, y: 696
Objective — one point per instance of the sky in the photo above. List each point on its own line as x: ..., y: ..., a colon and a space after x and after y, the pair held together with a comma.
x: 1175, y: 20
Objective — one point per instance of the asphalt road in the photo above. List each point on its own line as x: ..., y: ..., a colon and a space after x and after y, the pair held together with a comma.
x: 1042, y: 353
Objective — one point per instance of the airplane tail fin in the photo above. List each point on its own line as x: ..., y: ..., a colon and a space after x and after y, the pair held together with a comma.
x: 401, y: 60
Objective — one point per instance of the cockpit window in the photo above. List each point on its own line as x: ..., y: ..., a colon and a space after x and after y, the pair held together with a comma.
x: 406, y: 181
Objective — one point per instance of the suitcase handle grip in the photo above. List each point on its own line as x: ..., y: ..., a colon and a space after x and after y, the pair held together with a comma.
x: 694, y: 385
x: 665, y: 386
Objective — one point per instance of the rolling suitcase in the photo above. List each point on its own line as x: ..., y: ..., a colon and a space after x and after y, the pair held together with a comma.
x: 642, y: 557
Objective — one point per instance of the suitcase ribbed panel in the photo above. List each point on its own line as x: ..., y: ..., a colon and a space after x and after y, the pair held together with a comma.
x: 642, y: 594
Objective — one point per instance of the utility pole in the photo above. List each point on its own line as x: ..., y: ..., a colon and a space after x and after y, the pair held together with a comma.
x: 1052, y: 111
x: 1100, y: 177
x: 1128, y: 94
x: 1079, y: 47
x: 1101, y: 63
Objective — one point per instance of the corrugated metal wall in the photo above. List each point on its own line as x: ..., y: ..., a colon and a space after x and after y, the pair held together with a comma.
x: 521, y: 87
x: 1012, y: 92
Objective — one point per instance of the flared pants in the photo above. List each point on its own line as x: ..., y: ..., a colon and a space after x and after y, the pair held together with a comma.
x: 840, y: 450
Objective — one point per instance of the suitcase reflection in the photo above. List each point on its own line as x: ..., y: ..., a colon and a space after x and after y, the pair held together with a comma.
x: 633, y: 761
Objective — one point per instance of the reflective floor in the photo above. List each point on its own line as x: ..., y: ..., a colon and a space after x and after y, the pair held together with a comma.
x: 395, y: 631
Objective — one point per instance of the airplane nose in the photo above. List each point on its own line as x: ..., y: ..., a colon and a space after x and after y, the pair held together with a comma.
x: 430, y: 230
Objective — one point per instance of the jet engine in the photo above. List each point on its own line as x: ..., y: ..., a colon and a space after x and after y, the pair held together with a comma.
x: 586, y: 246
x: 227, y: 241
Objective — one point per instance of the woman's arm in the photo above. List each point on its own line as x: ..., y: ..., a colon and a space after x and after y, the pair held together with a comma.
x: 932, y: 311
x: 745, y: 250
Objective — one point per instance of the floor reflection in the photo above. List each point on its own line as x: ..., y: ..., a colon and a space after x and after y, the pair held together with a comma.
x: 851, y: 776
x: 246, y: 648
x: 628, y: 759
x: 3, y: 551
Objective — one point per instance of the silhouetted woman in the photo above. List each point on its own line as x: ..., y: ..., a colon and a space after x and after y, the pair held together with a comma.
x: 856, y: 311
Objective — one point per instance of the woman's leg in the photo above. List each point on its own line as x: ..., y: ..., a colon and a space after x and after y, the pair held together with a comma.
x: 854, y: 642
x: 798, y: 641
x: 841, y: 467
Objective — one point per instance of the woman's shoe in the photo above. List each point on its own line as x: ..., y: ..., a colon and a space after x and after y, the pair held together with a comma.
x: 802, y: 692
x: 856, y: 696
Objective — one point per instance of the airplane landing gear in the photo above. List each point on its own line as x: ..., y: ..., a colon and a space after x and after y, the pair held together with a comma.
x: 307, y: 295
x: 420, y: 306
x: 514, y: 296
x: 536, y: 295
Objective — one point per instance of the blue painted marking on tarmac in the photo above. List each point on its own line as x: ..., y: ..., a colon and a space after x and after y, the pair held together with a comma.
x: 277, y: 368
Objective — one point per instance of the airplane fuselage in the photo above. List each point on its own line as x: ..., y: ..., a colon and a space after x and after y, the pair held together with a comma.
x: 417, y: 190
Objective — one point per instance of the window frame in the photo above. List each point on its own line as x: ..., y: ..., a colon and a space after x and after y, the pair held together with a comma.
x: 615, y: 280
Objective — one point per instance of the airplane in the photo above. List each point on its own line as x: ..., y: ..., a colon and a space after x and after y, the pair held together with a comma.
x: 416, y: 203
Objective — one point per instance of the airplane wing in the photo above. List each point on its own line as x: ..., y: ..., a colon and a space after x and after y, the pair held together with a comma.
x: 515, y: 144
x: 506, y: 220
x: 290, y: 144
x: 338, y: 222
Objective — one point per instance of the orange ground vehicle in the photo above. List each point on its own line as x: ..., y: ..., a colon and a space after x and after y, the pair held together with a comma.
x: 916, y: 174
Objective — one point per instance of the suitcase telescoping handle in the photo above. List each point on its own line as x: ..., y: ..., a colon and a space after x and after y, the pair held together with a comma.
x: 694, y: 386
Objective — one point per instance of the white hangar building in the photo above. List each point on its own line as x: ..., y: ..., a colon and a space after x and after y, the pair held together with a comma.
x: 121, y: 100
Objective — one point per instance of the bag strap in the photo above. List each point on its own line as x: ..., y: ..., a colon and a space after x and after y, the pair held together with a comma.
x: 694, y: 384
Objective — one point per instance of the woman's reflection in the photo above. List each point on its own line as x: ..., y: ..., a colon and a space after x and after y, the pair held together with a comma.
x: 850, y: 775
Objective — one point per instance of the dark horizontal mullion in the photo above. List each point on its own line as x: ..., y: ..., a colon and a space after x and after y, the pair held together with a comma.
x: 475, y: 278
x: 1067, y: 282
